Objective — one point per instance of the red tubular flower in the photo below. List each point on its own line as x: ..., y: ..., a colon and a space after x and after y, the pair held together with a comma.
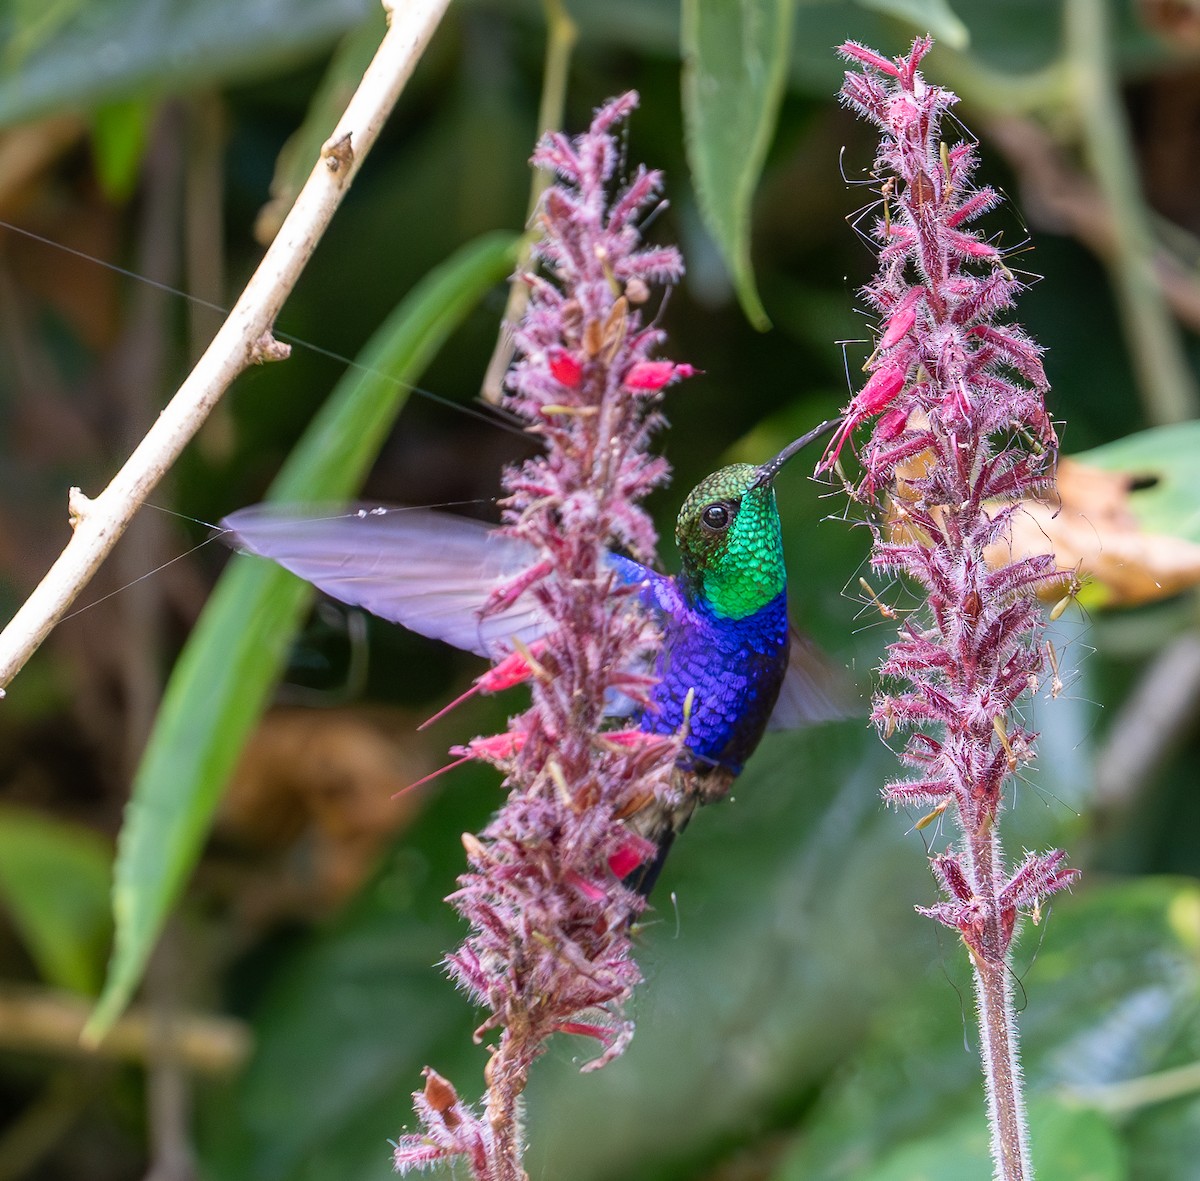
x: 565, y: 368
x: 651, y: 376
x: 512, y: 670
x: 882, y: 388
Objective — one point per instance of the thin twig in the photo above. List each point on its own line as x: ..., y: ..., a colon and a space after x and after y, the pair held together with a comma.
x: 1057, y: 196
x: 244, y: 339
x: 1147, y: 730
x: 1133, y: 1094
x: 141, y: 363
x: 1164, y: 376
x: 40, y: 1021
x: 561, y: 35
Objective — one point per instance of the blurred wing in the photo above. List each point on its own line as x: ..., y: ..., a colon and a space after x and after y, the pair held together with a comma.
x: 813, y: 690
x: 429, y: 571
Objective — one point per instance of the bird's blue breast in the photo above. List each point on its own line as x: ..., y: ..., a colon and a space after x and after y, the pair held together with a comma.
x: 732, y: 668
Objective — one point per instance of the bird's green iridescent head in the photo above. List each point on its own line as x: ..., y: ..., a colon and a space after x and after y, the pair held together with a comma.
x: 729, y: 537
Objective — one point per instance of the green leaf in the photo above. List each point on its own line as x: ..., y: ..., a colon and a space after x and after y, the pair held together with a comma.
x: 54, y: 881
x: 735, y: 58
x: 1075, y: 1142
x: 65, y: 54
x: 34, y: 22
x: 1162, y: 462
x: 935, y: 17
x: 119, y: 134
x: 958, y: 1153
x: 225, y: 674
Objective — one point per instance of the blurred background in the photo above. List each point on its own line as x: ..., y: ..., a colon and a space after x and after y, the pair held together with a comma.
x: 798, y: 1020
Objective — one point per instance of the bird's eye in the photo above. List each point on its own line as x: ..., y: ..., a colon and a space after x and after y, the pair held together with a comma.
x: 715, y: 516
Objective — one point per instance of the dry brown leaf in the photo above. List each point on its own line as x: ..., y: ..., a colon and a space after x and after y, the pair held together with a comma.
x: 1092, y: 531
x: 1094, y: 535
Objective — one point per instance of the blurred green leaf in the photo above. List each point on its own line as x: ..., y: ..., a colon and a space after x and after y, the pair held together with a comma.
x: 119, y: 134
x: 55, y: 880
x: 935, y: 17
x: 33, y: 23
x: 225, y: 675
x: 957, y: 1153
x: 1162, y: 1138
x: 1162, y: 463
x: 735, y: 57
x: 79, y: 54
x: 1075, y: 1142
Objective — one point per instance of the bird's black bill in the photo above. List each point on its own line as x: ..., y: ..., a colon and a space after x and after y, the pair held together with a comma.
x: 769, y: 470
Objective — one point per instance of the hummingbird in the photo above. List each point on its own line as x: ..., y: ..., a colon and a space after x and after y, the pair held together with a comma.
x: 729, y: 666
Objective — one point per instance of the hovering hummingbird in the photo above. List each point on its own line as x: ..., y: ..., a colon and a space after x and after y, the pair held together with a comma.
x: 730, y: 665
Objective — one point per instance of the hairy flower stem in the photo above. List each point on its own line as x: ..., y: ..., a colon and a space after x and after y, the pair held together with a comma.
x: 507, y: 1076
x: 999, y: 1042
x: 982, y: 863
x: 952, y: 394
x: 1001, y: 1056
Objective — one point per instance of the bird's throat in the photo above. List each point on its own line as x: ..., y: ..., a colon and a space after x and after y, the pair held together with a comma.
x: 739, y: 590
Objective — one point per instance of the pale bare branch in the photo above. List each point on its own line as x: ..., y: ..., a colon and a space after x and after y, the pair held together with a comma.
x: 244, y: 339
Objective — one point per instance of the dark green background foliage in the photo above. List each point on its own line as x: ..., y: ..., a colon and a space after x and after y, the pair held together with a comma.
x: 798, y: 1020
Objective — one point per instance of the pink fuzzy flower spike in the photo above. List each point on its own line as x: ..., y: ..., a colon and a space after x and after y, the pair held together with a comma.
x: 549, y: 947
x: 956, y: 435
